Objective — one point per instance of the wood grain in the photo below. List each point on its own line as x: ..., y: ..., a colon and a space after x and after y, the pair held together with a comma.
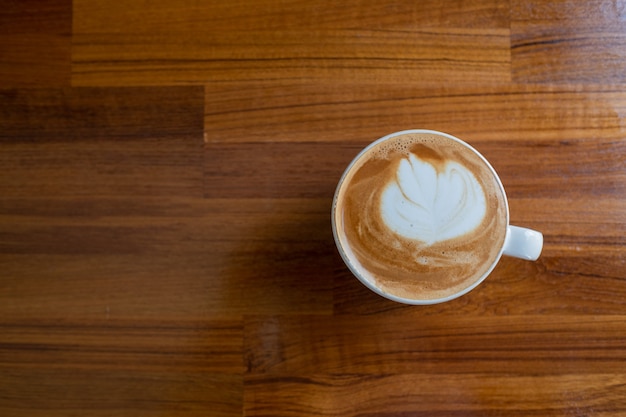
x: 441, y: 395
x: 508, y: 344
x: 185, y: 260
x: 67, y: 142
x: 102, y: 16
x: 126, y: 346
x: 279, y: 170
x: 297, y: 54
x: 69, y: 392
x: 35, y: 43
x: 167, y: 170
x: 548, y: 39
x: 300, y: 41
x: 328, y: 112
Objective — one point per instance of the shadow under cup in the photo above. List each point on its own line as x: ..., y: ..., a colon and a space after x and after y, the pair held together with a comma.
x: 420, y: 217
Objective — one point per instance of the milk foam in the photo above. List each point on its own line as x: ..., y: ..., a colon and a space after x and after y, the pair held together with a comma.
x: 420, y: 216
x: 424, y: 204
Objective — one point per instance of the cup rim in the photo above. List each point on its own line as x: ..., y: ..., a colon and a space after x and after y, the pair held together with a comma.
x: 346, y: 257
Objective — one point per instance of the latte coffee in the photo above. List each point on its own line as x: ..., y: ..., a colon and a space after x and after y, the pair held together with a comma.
x: 420, y: 216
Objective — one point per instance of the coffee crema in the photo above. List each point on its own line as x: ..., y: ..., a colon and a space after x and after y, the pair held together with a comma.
x: 421, y: 216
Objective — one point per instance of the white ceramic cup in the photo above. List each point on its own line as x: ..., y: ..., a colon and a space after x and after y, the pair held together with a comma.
x: 519, y: 242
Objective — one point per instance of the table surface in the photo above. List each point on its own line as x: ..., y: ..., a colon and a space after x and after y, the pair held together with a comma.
x: 166, y: 176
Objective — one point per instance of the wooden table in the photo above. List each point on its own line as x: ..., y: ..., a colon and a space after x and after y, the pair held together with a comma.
x: 166, y: 175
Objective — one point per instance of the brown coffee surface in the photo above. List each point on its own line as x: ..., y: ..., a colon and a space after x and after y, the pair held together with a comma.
x: 406, y: 267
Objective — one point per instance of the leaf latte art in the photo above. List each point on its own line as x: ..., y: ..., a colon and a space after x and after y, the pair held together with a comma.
x: 430, y: 206
x: 420, y: 216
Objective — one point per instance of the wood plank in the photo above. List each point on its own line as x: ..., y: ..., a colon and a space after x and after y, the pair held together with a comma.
x: 344, y: 55
x: 100, y: 16
x: 78, y: 391
x: 334, y: 112
x: 435, y: 344
x: 89, y: 142
x: 115, y: 46
x: 548, y: 40
x: 213, y: 346
x: 35, y: 43
x: 276, y: 170
x: 551, y: 169
x: 449, y: 395
x: 599, y: 228
x: 64, y: 114
x: 189, y: 287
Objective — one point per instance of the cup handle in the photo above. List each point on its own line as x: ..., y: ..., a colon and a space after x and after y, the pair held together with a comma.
x: 523, y: 243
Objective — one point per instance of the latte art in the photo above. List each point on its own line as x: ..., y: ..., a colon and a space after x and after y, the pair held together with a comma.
x: 420, y: 216
x: 430, y: 206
